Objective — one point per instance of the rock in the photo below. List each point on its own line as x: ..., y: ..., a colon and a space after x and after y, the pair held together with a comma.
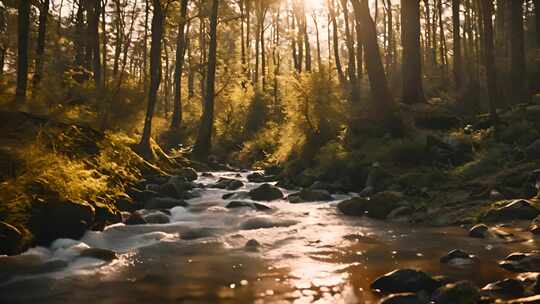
x: 463, y: 292
x: 156, y: 218
x: 404, y: 280
x: 515, y: 210
x: 141, y: 195
x: 56, y: 219
x: 310, y: 195
x: 164, y: 203
x: 257, y: 177
x: 532, y: 151
x: 242, y: 204
x: 198, y: 233
x: 135, y: 219
x: 479, y: 231
x: 457, y: 257
x: 506, y: 287
x: 10, y: 239
x: 252, y: 245
x: 536, y: 287
x: 169, y: 190
x: 401, y: 298
x: 188, y: 173
x: 266, y: 192
x: 236, y: 195
x: 125, y: 203
x: 228, y: 184
x: 286, y: 184
x: 535, y: 226
x: 522, y: 262
x: 207, y: 174
x: 400, y: 214
x: 265, y: 222
x: 528, y: 300
x: 181, y: 184
x: 379, y: 206
x: 98, y: 253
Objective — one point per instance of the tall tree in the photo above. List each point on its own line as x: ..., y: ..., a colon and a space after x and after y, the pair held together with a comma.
x: 411, y: 68
x: 456, y: 37
x: 489, y: 57
x: 517, y: 52
x: 23, y: 22
x: 93, y: 11
x: 40, y: 50
x: 155, y: 74
x: 3, y: 40
x: 335, y: 42
x: 203, y: 144
x: 178, y: 68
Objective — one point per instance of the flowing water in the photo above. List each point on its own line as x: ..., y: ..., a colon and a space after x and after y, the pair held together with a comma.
x: 312, y: 254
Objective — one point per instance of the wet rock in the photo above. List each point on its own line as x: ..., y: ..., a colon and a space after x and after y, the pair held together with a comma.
x: 99, y: 253
x: 310, y: 195
x: 402, y: 298
x: 164, y: 203
x: 522, y: 262
x: 198, y: 233
x: 257, y: 177
x: 51, y: 220
x: 514, y: 210
x: 506, y: 287
x: 457, y: 257
x: 135, y: 219
x: 527, y: 300
x: 181, y: 184
x: 157, y: 218
x: 188, y: 173
x: 379, y: 206
x: 463, y: 292
x: 141, y: 195
x: 404, y: 280
x: 10, y: 239
x: 401, y: 214
x: 536, y: 286
x: 535, y: 226
x: 207, y: 174
x: 125, y: 203
x: 169, y: 190
x: 479, y: 231
x: 265, y: 222
x: 286, y: 184
x: 228, y: 184
x: 252, y: 245
x: 243, y: 204
x: 266, y: 192
x: 236, y: 195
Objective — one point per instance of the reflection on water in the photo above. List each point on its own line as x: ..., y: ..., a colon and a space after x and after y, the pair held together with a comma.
x: 325, y: 258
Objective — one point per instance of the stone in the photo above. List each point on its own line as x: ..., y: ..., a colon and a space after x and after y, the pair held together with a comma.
x: 257, y: 177
x: 457, y: 257
x: 252, y: 245
x: 236, y: 195
x: 188, y: 173
x: 164, y: 203
x: 535, y: 226
x: 527, y: 300
x: 462, y: 292
x: 156, y: 218
x: 404, y: 280
x: 197, y: 233
x: 401, y: 298
x: 400, y: 214
x: 228, y: 184
x: 169, y: 190
x: 379, y: 206
x: 521, y: 262
x: 99, y: 253
x: 266, y: 192
x: 506, y: 287
x: 141, y: 195
x: 261, y: 222
x: 479, y: 231
x: 125, y: 203
x: 135, y: 219
x: 243, y: 204
x: 532, y: 151
x: 10, y: 239
x: 515, y: 210
x: 310, y: 195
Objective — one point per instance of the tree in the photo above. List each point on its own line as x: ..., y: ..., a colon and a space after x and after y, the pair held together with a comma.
x: 23, y: 22
x: 203, y: 144
x: 180, y: 52
x: 40, y: 50
x: 155, y: 75
x: 489, y: 58
x: 456, y: 37
x: 413, y: 91
x: 93, y: 11
x: 3, y: 42
x: 517, y: 52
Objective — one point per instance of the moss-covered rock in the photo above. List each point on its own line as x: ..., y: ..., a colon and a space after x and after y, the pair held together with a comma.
x: 378, y: 206
x: 520, y: 209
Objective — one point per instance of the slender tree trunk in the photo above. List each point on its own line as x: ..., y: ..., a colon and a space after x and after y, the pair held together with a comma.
x: 307, y: 46
x: 537, y: 17
x: 155, y: 79
x: 3, y: 44
x: 40, y: 50
x: 204, y: 138
x: 319, y: 59
x: 335, y: 42
x: 119, y: 28
x: 412, y: 72
x: 517, y: 51
x: 359, y: 53
x: 79, y: 35
x: 104, y: 42
x: 93, y: 29
x: 178, y: 68
x: 23, y: 22
x: 458, y: 73
x: 350, y: 47
x: 145, y: 46
x: 442, y: 44
x: 489, y: 58
x: 263, y: 51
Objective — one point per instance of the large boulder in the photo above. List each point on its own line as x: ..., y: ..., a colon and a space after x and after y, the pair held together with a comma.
x: 463, y: 292
x: 535, y: 226
x: 55, y: 219
x: 141, y: 195
x: 188, y: 173
x: 514, y: 210
x: 402, y: 298
x: 522, y: 262
x: 228, y: 184
x: 405, y: 280
x: 506, y: 287
x: 10, y: 239
x: 257, y: 177
x: 244, y: 204
x: 135, y: 218
x: 310, y: 195
x: 157, y: 217
x: 479, y: 231
x: 266, y: 192
x: 378, y: 206
x: 164, y: 203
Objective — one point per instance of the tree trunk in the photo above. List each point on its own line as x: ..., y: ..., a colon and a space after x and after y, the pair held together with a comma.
x: 489, y: 58
x: 350, y: 48
x: 119, y: 28
x: 319, y: 59
x: 203, y: 144
x: 23, y: 22
x: 3, y: 44
x: 79, y: 40
x: 93, y: 29
x: 335, y: 42
x: 104, y: 43
x: 155, y: 77
x: 40, y: 50
x: 410, y: 36
x: 178, y: 68
x: 517, y: 50
x: 458, y: 73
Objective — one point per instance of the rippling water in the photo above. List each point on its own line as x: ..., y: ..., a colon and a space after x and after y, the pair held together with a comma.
x: 315, y: 256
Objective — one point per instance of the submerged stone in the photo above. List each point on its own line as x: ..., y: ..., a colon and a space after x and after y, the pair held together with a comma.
x: 404, y: 280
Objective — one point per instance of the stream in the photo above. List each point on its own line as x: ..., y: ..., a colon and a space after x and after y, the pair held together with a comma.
x: 308, y: 253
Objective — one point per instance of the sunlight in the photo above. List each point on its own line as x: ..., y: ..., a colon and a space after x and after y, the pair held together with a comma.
x: 315, y: 4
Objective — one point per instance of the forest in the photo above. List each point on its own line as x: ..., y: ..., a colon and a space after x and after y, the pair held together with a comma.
x: 270, y: 151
